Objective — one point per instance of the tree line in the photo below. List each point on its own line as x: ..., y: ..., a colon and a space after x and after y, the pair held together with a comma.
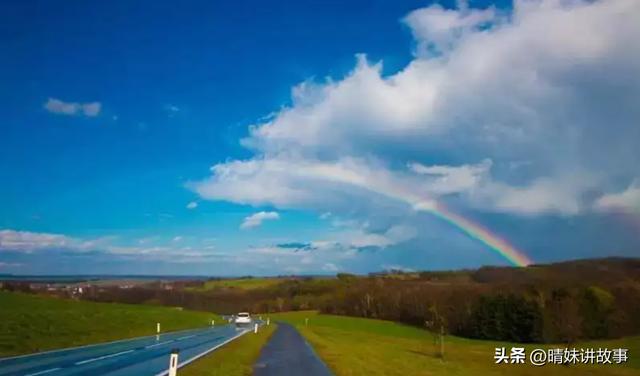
x: 564, y: 302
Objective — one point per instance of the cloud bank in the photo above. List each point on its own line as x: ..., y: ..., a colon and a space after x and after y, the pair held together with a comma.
x: 628, y: 199
x: 524, y: 114
x: 170, y: 250
x: 528, y: 113
x: 550, y: 85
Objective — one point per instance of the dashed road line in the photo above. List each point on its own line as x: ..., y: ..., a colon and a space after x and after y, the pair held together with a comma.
x: 158, y: 344
x: 45, y: 371
x: 103, y: 357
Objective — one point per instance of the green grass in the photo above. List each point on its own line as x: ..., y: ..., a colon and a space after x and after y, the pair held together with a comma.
x: 233, y: 359
x: 355, y: 346
x: 30, y: 323
x: 239, y: 283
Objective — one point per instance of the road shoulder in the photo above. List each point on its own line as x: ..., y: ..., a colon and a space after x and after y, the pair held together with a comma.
x: 233, y: 359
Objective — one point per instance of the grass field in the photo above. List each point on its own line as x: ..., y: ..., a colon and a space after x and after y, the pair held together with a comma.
x: 239, y: 283
x: 355, y: 346
x: 30, y: 323
x: 233, y: 359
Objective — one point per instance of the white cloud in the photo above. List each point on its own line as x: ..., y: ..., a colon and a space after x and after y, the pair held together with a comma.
x: 452, y: 179
x: 289, y: 182
x: 551, y: 84
x: 192, y: 205
x: 58, y: 106
x: 330, y: 267
x: 26, y: 241
x: 172, y: 110
x: 629, y: 199
x: 474, y: 182
x: 323, y: 257
x: 330, y: 253
x: 539, y: 197
x: 91, y: 109
x: 10, y: 265
x: 361, y: 238
x: 347, y: 182
x: 439, y: 29
x: 173, y: 251
x: 255, y: 220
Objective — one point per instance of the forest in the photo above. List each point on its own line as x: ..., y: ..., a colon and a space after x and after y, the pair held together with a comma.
x: 560, y: 303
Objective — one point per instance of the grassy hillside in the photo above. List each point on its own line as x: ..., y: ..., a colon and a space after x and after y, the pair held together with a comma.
x: 233, y: 359
x: 239, y: 283
x: 30, y: 323
x: 562, y: 302
x: 355, y: 346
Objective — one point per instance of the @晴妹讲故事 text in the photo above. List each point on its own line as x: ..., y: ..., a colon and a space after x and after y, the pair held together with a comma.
x: 540, y: 357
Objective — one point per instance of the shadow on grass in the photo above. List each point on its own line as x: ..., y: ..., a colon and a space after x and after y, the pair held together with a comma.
x: 428, y: 354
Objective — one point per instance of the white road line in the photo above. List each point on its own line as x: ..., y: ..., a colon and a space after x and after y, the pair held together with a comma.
x: 43, y: 372
x: 180, y: 365
x: 103, y: 357
x: 185, y: 337
x: 95, y: 344
x: 158, y: 344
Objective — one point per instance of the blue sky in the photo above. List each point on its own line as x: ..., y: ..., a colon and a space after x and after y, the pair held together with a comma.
x: 207, y: 138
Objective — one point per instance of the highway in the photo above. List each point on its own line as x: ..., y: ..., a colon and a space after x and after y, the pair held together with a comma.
x: 138, y: 356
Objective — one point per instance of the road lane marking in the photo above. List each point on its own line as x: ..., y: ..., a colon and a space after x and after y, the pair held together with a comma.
x: 185, y: 337
x: 103, y: 357
x: 158, y: 344
x: 194, y: 358
x: 43, y: 372
x: 68, y: 349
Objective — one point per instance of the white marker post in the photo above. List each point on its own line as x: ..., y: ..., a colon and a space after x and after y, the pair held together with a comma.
x: 158, y: 328
x: 213, y: 322
x: 268, y: 320
x: 173, y: 362
x: 255, y: 328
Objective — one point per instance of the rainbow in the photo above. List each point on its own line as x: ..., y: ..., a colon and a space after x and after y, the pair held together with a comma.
x: 388, y: 187
x: 476, y: 231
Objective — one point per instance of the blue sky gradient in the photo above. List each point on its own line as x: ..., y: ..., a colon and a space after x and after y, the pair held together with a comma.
x: 113, y: 114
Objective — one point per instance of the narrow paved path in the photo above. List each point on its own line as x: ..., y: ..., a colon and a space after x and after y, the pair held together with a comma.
x: 287, y: 353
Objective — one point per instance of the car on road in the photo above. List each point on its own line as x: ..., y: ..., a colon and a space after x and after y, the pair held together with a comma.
x: 243, y: 319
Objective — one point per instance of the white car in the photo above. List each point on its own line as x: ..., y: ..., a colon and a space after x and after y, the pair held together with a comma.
x: 243, y: 318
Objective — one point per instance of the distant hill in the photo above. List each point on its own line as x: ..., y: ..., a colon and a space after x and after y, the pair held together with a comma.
x: 584, y: 271
x: 557, y: 302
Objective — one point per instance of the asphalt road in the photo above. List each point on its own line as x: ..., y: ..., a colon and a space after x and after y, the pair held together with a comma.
x: 287, y: 353
x: 139, y: 356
